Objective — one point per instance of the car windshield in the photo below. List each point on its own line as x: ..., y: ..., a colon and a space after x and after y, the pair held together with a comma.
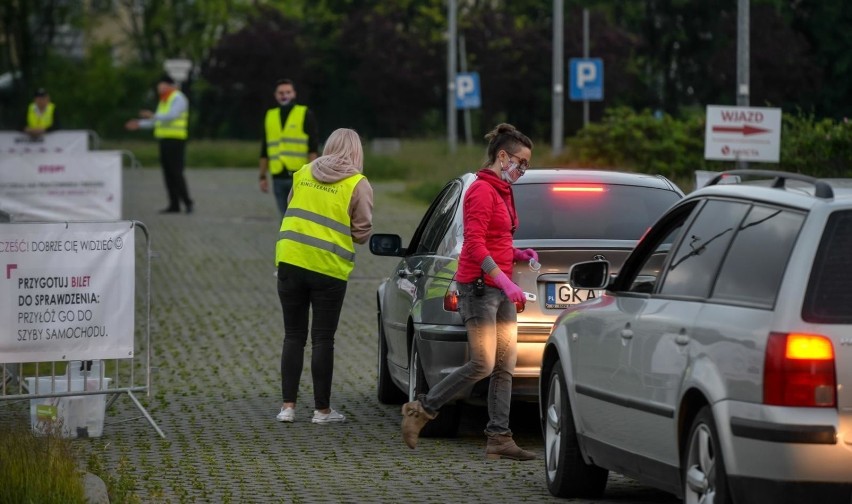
x: 588, y: 211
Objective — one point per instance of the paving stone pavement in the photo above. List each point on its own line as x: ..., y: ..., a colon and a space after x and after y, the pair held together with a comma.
x: 217, y: 330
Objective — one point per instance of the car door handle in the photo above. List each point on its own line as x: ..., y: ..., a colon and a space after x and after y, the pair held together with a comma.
x: 403, y: 273
x: 627, y: 333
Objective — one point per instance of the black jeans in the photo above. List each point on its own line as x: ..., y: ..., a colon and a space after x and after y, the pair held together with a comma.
x: 173, y: 159
x: 302, y: 291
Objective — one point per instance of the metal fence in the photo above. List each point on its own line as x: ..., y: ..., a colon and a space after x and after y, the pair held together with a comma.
x: 106, y: 379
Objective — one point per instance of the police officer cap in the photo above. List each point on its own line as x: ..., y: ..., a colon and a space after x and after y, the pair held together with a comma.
x: 40, y: 92
x: 167, y: 79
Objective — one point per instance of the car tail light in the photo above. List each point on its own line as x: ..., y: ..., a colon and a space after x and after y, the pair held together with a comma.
x: 799, y: 371
x: 579, y: 188
x: 451, y: 300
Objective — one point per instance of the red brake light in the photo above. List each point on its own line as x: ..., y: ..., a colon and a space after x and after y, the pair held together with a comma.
x: 799, y: 371
x: 451, y: 300
x: 579, y: 188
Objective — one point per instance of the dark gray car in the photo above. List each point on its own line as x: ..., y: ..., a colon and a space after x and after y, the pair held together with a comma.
x: 566, y: 215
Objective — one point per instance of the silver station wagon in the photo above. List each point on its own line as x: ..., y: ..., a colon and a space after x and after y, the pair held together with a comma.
x: 566, y: 215
x: 716, y: 363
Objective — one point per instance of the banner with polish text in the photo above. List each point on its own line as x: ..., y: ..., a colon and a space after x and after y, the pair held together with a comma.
x: 66, y: 291
x: 55, y: 142
x: 59, y: 187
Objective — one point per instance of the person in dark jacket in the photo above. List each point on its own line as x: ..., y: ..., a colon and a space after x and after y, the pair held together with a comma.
x: 488, y: 299
x: 290, y: 141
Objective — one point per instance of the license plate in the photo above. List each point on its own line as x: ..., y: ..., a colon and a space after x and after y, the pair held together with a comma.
x: 562, y: 295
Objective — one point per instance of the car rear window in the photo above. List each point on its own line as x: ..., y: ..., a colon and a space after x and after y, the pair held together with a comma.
x: 588, y: 211
x: 829, y: 299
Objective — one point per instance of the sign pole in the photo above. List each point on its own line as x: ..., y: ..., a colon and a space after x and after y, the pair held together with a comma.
x: 742, y: 60
x: 558, y: 76
x: 452, y: 133
x: 585, y: 55
x: 468, y: 135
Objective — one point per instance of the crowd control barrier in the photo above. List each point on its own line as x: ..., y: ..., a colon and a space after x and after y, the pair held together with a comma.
x: 55, y: 142
x: 68, y: 294
x: 60, y: 187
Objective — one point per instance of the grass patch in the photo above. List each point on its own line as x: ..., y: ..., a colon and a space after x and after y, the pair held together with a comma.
x: 38, y: 468
x: 199, y: 153
x: 424, y: 164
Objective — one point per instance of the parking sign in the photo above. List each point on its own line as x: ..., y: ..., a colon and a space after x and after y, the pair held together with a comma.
x: 467, y: 90
x: 587, y: 77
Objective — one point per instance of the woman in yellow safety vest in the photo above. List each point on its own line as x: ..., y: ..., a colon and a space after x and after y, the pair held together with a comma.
x: 330, y: 209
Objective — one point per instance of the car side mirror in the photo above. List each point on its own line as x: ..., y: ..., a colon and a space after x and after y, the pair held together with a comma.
x: 589, y: 275
x: 386, y: 245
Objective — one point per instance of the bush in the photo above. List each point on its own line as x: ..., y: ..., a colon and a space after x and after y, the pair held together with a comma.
x: 38, y: 469
x: 675, y: 147
x: 822, y: 148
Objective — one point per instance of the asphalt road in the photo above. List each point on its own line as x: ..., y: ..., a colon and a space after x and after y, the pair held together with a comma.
x: 217, y: 330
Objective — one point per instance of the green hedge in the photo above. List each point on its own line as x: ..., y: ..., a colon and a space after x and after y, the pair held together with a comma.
x: 673, y: 147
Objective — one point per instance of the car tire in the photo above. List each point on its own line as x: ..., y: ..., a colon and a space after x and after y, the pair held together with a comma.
x: 386, y: 390
x: 704, y: 475
x: 446, y: 424
x: 566, y: 473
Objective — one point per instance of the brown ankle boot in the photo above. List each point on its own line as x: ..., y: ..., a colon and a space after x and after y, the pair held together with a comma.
x: 502, y: 446
x: 414, y: 417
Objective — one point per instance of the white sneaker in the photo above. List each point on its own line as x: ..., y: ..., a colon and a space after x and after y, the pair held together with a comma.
x: 330, y: 417
x: 286, y: 415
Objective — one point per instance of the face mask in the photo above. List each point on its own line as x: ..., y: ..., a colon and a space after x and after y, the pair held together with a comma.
x: 510, y: 174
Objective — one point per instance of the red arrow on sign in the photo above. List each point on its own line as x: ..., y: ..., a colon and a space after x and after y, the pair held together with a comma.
x: 745, y: 129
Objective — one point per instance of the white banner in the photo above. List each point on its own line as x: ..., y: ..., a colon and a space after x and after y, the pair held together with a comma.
x: 58, y: 187
x: 742, y: 133
x: 66, y: 291
x: 56, y: 142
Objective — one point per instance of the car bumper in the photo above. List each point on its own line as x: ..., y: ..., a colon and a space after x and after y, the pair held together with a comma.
x: 444, y: 349
x: 745, y: 489
x: 782, y: 451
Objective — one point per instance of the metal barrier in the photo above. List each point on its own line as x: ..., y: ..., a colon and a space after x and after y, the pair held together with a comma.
x: 110, y: 377
x: 131, y: 158
x: 94, y: 140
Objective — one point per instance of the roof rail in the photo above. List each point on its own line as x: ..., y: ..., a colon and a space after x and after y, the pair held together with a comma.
x: 822, y: 189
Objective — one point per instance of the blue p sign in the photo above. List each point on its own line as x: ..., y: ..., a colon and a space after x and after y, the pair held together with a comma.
x: 586, y: 79
x: 467, y: 90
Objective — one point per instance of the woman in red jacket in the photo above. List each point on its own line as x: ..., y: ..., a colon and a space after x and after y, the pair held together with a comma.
x: 487, y: 296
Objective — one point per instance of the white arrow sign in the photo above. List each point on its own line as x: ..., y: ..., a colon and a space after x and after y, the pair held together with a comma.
x: 743, y: 133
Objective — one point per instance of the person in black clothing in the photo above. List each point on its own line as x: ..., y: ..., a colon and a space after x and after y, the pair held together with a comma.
x: 290, y: 141
x: 170, y: 123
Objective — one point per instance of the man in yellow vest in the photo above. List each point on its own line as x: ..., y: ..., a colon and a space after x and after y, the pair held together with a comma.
x: 170, y: 123
x: 41, y: 115
x: 290, y: 141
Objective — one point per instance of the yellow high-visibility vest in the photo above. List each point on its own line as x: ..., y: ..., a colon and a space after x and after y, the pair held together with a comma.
x: 316, y: 229
x: 286, y: 147
x: 40, y: 121
x: 176, y: 128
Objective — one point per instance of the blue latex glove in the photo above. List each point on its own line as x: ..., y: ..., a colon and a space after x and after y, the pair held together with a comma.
x: 524, y: 255
x: 513, y: 292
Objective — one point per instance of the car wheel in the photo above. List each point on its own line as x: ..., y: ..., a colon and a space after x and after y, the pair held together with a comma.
x: 567, y: 474
x: 704, y: 478
x: 386, y: 391
x: 446, y: 424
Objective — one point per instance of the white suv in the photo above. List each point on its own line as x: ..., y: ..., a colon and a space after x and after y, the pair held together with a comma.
x: 715, y: 365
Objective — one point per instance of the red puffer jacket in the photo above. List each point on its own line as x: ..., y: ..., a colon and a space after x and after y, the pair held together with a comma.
x: 490, y: 221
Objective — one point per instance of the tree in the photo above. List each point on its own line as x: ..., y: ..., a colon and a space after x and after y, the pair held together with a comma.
x: 30, y: 29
